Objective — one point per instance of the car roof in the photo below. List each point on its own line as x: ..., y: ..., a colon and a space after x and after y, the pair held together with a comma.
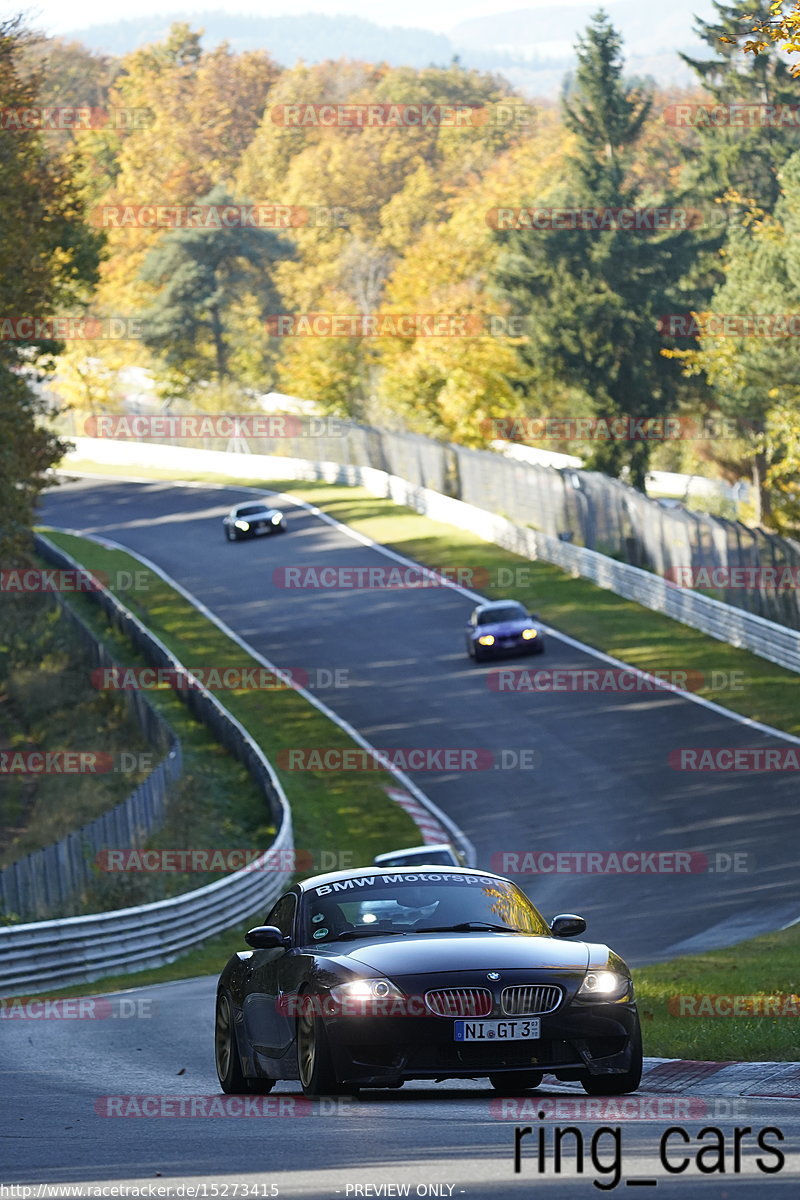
x: 500, y: 604
x: 426, y: 849
x: 358, y: 873
x: 252, y: 504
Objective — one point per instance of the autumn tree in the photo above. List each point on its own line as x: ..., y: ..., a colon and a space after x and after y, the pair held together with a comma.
x: 48, y: 259
x: 735, y: 161
x: 750, y: 356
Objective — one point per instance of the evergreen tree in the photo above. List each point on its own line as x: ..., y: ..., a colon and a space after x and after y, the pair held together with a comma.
x: 202, y: 274
x: 594, y: 296
x: 741, y: 162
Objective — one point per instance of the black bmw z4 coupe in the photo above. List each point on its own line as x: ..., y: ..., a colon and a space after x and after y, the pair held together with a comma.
x: 372, y: 977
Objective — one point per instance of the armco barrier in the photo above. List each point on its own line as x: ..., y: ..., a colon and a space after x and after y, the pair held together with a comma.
x: 54, y: 954
x: 777, y: 643
x: 50, y: 954
x: 41, y: 883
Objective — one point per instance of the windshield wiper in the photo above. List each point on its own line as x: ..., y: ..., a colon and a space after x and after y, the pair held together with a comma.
x: 467, y: 926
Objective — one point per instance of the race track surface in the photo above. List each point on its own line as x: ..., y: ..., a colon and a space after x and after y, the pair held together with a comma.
x: 61, y: 1077
x: 602, y: 780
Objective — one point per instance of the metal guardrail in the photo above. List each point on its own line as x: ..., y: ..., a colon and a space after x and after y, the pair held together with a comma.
x: 37, y: 884
x: 47, y: 954
x: 767, y: 639
x: 54, y: 954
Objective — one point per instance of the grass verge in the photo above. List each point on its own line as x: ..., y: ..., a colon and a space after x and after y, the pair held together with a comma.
x: 47, y: 704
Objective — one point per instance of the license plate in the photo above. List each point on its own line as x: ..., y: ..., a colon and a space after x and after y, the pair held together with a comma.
x: 496, y: 1031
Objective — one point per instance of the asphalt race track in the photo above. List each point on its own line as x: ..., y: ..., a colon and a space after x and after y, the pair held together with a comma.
x: 602, y: 783
x: 65, y: 1075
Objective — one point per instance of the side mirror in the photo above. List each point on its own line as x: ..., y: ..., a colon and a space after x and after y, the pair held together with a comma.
x: 265, y: 937
x: 567, y: 925
x: 534, y: 616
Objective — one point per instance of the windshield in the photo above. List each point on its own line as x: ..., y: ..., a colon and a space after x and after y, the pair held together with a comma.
x: 384, y: 905
x: 506, y: 612
x: 249, y: 510
x: 407, y: 858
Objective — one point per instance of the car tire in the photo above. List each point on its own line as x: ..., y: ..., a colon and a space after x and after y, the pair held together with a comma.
x: 514, y: 1082
x: 315, y: 1065
x: 618, y: 1085
x: 226, y: 1055
x: 230, y: 536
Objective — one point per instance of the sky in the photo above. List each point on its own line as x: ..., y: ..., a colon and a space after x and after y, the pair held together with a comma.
x: 55, y: 17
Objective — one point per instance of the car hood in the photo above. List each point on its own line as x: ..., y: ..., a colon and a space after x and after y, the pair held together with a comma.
x: 472, y: 952
x: 256, y: 516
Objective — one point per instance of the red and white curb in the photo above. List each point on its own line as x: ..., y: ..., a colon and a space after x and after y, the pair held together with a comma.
x: 687, y: 1077
x: 432, y: 832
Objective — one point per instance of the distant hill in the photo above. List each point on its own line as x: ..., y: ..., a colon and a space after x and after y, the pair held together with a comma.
x: 310, y: 36
x: 531, y: 47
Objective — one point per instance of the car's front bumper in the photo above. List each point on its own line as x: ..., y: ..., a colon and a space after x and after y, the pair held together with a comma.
x: 508, y: 648
x: 595, y: 1039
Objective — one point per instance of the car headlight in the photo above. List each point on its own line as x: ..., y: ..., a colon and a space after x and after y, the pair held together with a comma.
x: 605, y: 985
x: 276, y: 520
x: 242, y: 524
x: 368, y: 998
x: 528, y: 634
x: 486, y: 640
